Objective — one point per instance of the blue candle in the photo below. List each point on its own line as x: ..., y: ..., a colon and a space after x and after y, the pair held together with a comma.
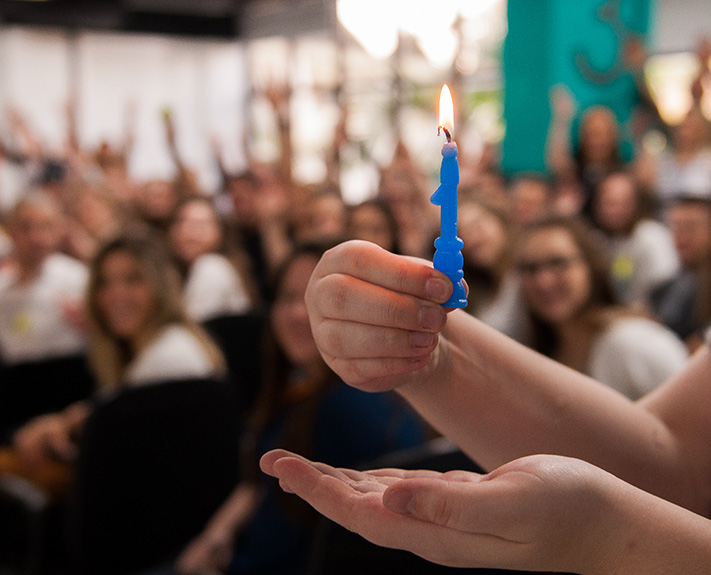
x: 448, y: 246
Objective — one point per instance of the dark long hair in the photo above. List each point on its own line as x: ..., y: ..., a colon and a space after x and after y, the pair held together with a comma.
x: 275, y: 396
x: 391, y: 222
x: 485, y: 281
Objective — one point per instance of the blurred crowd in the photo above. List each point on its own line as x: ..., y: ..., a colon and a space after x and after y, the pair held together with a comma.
x: 602, y: 263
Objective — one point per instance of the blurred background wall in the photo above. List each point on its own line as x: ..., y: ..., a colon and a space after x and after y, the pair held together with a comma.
x: 211, y: 62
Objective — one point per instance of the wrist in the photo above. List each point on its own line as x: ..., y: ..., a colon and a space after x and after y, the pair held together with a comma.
x: 600, y: 548
x: 637, y: 533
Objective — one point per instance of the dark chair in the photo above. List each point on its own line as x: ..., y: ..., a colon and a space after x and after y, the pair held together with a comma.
x: 23, y: 527
x: 155, y: 463
x: 32, y: 388
x: 239, y: 337
x: 337, y: 550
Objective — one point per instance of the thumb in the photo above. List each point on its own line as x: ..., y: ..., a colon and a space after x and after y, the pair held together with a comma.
x: 436, y: 500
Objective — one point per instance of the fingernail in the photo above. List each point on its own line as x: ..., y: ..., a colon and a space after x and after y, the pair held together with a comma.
x: 421, y: 339
x: 437, y: 289
x: 431, y: 317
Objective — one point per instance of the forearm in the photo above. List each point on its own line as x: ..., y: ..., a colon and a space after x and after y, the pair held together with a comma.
x: 558, y: 152
x: 499, y: 401
x: 236, y: 510
x: 645, y: 535
x: 276, y: 243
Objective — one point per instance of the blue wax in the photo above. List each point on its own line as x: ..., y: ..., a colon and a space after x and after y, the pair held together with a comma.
x: 448, y: 255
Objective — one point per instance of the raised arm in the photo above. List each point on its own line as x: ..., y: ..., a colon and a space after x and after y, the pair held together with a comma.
x: 211, y: 550
x: 378, y: 324
x: 559, y: 154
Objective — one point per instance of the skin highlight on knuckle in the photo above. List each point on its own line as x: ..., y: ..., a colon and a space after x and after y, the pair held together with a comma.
x: 351, y: 257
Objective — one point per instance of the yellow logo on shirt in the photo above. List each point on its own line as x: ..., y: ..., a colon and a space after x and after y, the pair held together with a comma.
x: 623, y: 268
x: 22, y: 323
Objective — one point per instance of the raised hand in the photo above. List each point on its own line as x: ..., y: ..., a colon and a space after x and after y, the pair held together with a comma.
x: 563, y: 103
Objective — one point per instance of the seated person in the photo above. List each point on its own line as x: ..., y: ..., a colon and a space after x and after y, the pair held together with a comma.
x: 684, y: 302
x: 574, y: 316
x: 685, y: 167
x: 374, y: 221
x: 641, y: 250
x: 139, y: 335
x: 303, y: 405
x: 213, y: 286
x: 42, y: 339
x: 494, y: 297
x: 40, y: 289
x: 531, y: 198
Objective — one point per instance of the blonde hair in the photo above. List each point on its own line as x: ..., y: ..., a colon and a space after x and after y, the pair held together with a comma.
x: 109, y: 355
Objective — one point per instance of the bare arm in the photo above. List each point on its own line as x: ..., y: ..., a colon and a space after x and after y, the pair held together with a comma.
x: 376, y: 320
x: 559, y: 155
x: 52, y: 435
x: 31, y: 146
x: 212, y: 549
x: 502, y: 401
x: 279, y: 97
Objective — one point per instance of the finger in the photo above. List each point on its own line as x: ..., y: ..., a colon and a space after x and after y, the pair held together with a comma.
x: 266, y: 463
x: 365, y: 482
x: 364, y: 513
x: 367, y: 341
x: 470, y: 504
x: 380, y: 374
x: 466, y: 290
x: 388, y: 477
x: 373, y: 264
x: 335, y: 498
x: 347, y: 475
x: 346, y: 297
x: 403, y: 473
x: 62, y: 446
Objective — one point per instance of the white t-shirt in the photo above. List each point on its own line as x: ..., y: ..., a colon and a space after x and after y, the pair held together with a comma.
x: 642, y: 261
x: 506, y: 311
x: 635, y: 355
x: 33, y: 323
x: 175, y: 354
x: 692, y: 178
x: 214, y: 288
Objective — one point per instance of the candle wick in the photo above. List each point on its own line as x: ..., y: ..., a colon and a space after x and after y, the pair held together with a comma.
x: 446, y: 133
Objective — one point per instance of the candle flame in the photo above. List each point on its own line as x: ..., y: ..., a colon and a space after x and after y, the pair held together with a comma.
x: 446, y: 109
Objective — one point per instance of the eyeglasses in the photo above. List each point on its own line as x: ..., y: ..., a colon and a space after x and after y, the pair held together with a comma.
x: 557, y: 265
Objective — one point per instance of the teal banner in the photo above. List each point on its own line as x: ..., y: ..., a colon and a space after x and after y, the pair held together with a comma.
x: 577, y: 43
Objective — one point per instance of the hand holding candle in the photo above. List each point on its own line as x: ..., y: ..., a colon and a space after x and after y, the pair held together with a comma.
x: 448, y: 255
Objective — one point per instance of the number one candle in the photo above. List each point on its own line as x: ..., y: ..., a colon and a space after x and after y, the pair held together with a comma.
x: 448, y: 247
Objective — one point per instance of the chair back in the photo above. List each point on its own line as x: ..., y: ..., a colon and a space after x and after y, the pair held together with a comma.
x: 32, y: 388
x: 154, y: 464
x: 239, y: 337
